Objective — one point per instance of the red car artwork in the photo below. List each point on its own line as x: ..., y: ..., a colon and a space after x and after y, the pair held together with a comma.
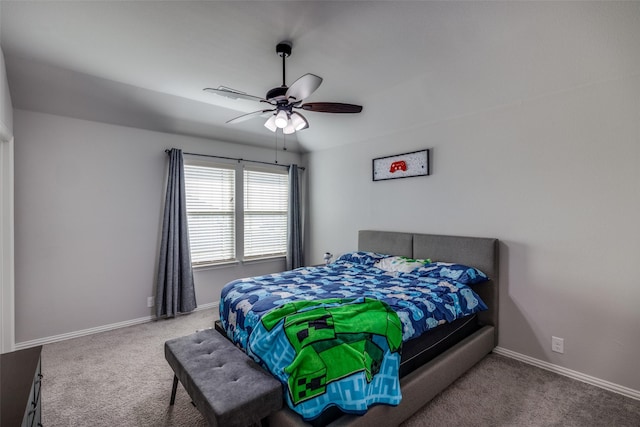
x: 400, y: 165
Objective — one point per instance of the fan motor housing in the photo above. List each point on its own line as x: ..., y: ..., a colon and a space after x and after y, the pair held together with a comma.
x: 284, y: 48
x: 277, y: 93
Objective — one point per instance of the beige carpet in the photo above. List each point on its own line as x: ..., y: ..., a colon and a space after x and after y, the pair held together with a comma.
x: 121, y: 378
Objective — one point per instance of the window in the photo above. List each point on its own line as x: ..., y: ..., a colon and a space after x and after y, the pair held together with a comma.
x: 210, y: 213
x: 226, y: 202
x: 265, y: 213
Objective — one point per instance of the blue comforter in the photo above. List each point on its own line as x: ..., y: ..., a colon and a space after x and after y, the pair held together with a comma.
x: 421, y: 303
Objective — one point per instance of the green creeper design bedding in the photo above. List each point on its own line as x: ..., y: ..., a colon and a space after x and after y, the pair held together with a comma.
x: 340, y: 351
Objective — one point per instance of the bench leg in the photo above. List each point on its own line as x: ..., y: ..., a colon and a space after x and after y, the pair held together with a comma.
x: 173, y: 390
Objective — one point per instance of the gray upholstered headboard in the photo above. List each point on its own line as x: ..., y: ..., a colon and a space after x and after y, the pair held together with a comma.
x: 478, y: 252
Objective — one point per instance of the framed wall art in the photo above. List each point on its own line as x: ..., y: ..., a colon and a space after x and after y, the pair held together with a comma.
x: 404, y: 165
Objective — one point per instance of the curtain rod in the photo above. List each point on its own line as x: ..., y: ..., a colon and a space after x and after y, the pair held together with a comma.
x: 238, y: 159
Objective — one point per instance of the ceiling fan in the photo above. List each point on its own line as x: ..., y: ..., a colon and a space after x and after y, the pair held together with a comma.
x: 283, y: 100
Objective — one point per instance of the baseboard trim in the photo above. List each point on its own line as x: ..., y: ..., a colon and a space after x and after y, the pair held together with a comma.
x: 84, y: 332
x: 607, y: 385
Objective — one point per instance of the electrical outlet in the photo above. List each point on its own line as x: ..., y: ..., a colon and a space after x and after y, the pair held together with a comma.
x: 149, y: 301
x: 557, y: 344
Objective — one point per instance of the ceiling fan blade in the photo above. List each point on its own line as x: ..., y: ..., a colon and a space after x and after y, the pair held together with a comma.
x: 227, y: 92
x: 259, y: 113
x: 331, y: 107
x: 303, y: 87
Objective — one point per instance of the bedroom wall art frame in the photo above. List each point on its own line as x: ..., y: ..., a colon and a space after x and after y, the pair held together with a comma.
x: 415, y: 163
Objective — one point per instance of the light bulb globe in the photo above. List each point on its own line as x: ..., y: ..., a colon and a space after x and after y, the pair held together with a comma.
x: 298, y: 121
x: 271, y: 124
x: 281, y: 119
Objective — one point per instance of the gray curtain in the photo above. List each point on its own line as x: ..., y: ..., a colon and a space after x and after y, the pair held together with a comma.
x: 295, y: 257
x: 175, y: 292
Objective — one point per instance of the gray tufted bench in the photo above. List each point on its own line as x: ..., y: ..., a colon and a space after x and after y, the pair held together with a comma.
x: 225, y: 384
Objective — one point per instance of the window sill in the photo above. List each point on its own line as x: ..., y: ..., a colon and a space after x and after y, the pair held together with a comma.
x: 235, y: 263
x: 263, y: 259
x: 216, y: 265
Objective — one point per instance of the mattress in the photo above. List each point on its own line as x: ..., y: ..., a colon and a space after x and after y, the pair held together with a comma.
x: 419, y: 351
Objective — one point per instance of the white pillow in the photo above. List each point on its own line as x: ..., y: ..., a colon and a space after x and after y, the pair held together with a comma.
x: 400, y: 264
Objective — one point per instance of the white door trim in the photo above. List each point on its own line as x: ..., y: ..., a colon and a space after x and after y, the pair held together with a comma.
x: 7, y: 292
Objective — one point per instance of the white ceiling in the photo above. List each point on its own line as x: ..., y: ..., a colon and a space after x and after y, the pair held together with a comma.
x: 144, y: 63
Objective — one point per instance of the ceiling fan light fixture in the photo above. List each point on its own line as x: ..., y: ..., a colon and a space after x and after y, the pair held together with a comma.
x: 271, y: 123
x: 281, y: 119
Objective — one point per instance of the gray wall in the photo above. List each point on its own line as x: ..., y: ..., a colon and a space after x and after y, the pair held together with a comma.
x: 88, y: 203
x: 553, y: 174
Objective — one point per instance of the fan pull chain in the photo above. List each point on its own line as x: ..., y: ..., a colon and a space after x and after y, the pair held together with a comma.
x: 276, y: 145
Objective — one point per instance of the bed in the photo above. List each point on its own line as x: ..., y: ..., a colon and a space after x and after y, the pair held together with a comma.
x: 425, y: 369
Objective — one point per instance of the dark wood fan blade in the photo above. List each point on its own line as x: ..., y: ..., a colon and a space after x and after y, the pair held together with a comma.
x: 260, y: 113
x: 331, y: 107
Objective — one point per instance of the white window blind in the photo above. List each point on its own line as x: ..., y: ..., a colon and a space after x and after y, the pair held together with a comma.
x: 211, y: 213
x: 265, y: 213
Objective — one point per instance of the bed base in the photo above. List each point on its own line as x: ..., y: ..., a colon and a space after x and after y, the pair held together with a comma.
x: 424, y: 383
